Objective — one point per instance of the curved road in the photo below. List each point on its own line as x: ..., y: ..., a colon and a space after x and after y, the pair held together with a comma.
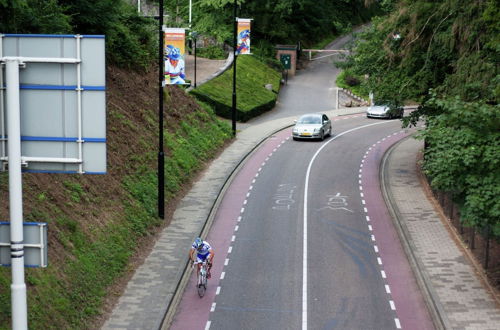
x: 302, y: 236
x: 322, y: 196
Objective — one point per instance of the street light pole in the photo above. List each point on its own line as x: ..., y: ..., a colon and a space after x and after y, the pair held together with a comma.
x: 161, y: 154
x: 233, y: 112
x: 194, y: 37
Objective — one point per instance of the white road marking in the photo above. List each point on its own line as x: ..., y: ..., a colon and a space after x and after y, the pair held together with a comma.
x: 207, y: 326
x: 213, y: 308
x: 226, y: 262
x: 304, y: 241
x: 387, y: 289
x: 217, y: 291
x: 393, y: 307
x: 222, y: 275
x: 398, y: 325
x: 383, y: 274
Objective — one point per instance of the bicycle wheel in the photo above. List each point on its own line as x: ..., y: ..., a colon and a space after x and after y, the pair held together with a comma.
x: 202, y: 282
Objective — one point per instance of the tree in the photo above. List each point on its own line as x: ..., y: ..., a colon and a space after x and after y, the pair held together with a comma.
x: 444, y: 55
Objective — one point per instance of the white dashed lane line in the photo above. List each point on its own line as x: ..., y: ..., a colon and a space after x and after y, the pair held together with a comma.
x: 240, y: 218
x: 370, y: 228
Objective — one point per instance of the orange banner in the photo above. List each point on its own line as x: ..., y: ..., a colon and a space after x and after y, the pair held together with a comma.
x: 243, y: 37
x: 174, y: 53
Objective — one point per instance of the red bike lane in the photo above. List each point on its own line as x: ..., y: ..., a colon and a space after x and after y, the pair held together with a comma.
x: 193, y: 312
x: 401, y: 286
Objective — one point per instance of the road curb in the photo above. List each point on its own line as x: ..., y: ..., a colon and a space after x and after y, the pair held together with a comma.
x: 434, y: 306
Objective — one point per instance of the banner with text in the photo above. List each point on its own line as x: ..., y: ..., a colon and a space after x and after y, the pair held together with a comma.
x: 174, y: 53
x: 243, y: 37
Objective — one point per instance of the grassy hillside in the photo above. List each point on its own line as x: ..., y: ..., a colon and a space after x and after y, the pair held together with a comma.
x: 253, y: 98
x: 98, y: 224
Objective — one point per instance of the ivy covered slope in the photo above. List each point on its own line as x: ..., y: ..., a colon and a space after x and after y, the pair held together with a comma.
x: 98, y: 222
x: 444, y: 55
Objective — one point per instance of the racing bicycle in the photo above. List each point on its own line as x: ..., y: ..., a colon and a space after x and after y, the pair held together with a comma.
x: 201, y: 283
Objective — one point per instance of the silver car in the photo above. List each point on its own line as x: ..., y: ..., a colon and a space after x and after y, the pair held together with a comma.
x: 312, y: 126
x: 384, y: 111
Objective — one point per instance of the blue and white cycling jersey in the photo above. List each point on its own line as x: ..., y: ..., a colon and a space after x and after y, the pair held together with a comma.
x: 203, y: 253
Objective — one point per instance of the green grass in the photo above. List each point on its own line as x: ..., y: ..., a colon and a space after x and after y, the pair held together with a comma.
x: 252, y: 97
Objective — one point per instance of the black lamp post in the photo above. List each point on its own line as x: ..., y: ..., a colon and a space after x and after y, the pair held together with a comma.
x: 194, y: 34
x: 233, y: 112
x: 161, y: 154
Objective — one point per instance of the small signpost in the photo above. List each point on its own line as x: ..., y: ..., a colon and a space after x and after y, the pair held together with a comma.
x: 52, y: 119
x: 35, y: 244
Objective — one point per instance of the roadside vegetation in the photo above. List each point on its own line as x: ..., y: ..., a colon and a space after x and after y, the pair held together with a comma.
x: 350, y: 81
x: 253, y: 98
x: 445, y: 56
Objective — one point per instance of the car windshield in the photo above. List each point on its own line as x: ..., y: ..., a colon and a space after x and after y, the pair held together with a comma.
x: 309, y: 120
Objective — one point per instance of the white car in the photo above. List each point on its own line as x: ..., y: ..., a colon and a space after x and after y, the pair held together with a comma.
x: 384, y: 111
x: 312, y: 126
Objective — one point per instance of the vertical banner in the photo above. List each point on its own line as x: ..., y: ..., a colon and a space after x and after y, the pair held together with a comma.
x: 243, y: 39
x: 174, y: 52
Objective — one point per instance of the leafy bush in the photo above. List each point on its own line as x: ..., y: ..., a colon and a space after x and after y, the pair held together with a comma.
x: 358, y: 89
x: 211, y: 52
x: 463, y: 157
x: 352, y: 81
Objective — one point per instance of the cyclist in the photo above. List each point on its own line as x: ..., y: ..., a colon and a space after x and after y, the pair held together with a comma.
x: 203, y: 252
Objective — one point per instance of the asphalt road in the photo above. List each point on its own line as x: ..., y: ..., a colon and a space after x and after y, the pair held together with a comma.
x: 295, y: 246
x: 311, y: 90
x: 296, y: 194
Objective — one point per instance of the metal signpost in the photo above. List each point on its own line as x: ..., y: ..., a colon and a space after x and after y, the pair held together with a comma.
x: 52, y: 119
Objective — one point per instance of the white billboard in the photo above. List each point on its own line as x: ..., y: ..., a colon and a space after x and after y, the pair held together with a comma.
x: 62, y: 92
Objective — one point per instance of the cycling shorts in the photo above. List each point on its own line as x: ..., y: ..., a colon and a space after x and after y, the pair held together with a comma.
x: 202, y: 257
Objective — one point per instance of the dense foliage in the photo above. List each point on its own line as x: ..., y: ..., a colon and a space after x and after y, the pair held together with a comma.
x: 275, y: 22
x: 444, y: 55
x: 129, y: 38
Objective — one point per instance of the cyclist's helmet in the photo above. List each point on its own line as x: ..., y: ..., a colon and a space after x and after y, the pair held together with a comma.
x: 198, y: 243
